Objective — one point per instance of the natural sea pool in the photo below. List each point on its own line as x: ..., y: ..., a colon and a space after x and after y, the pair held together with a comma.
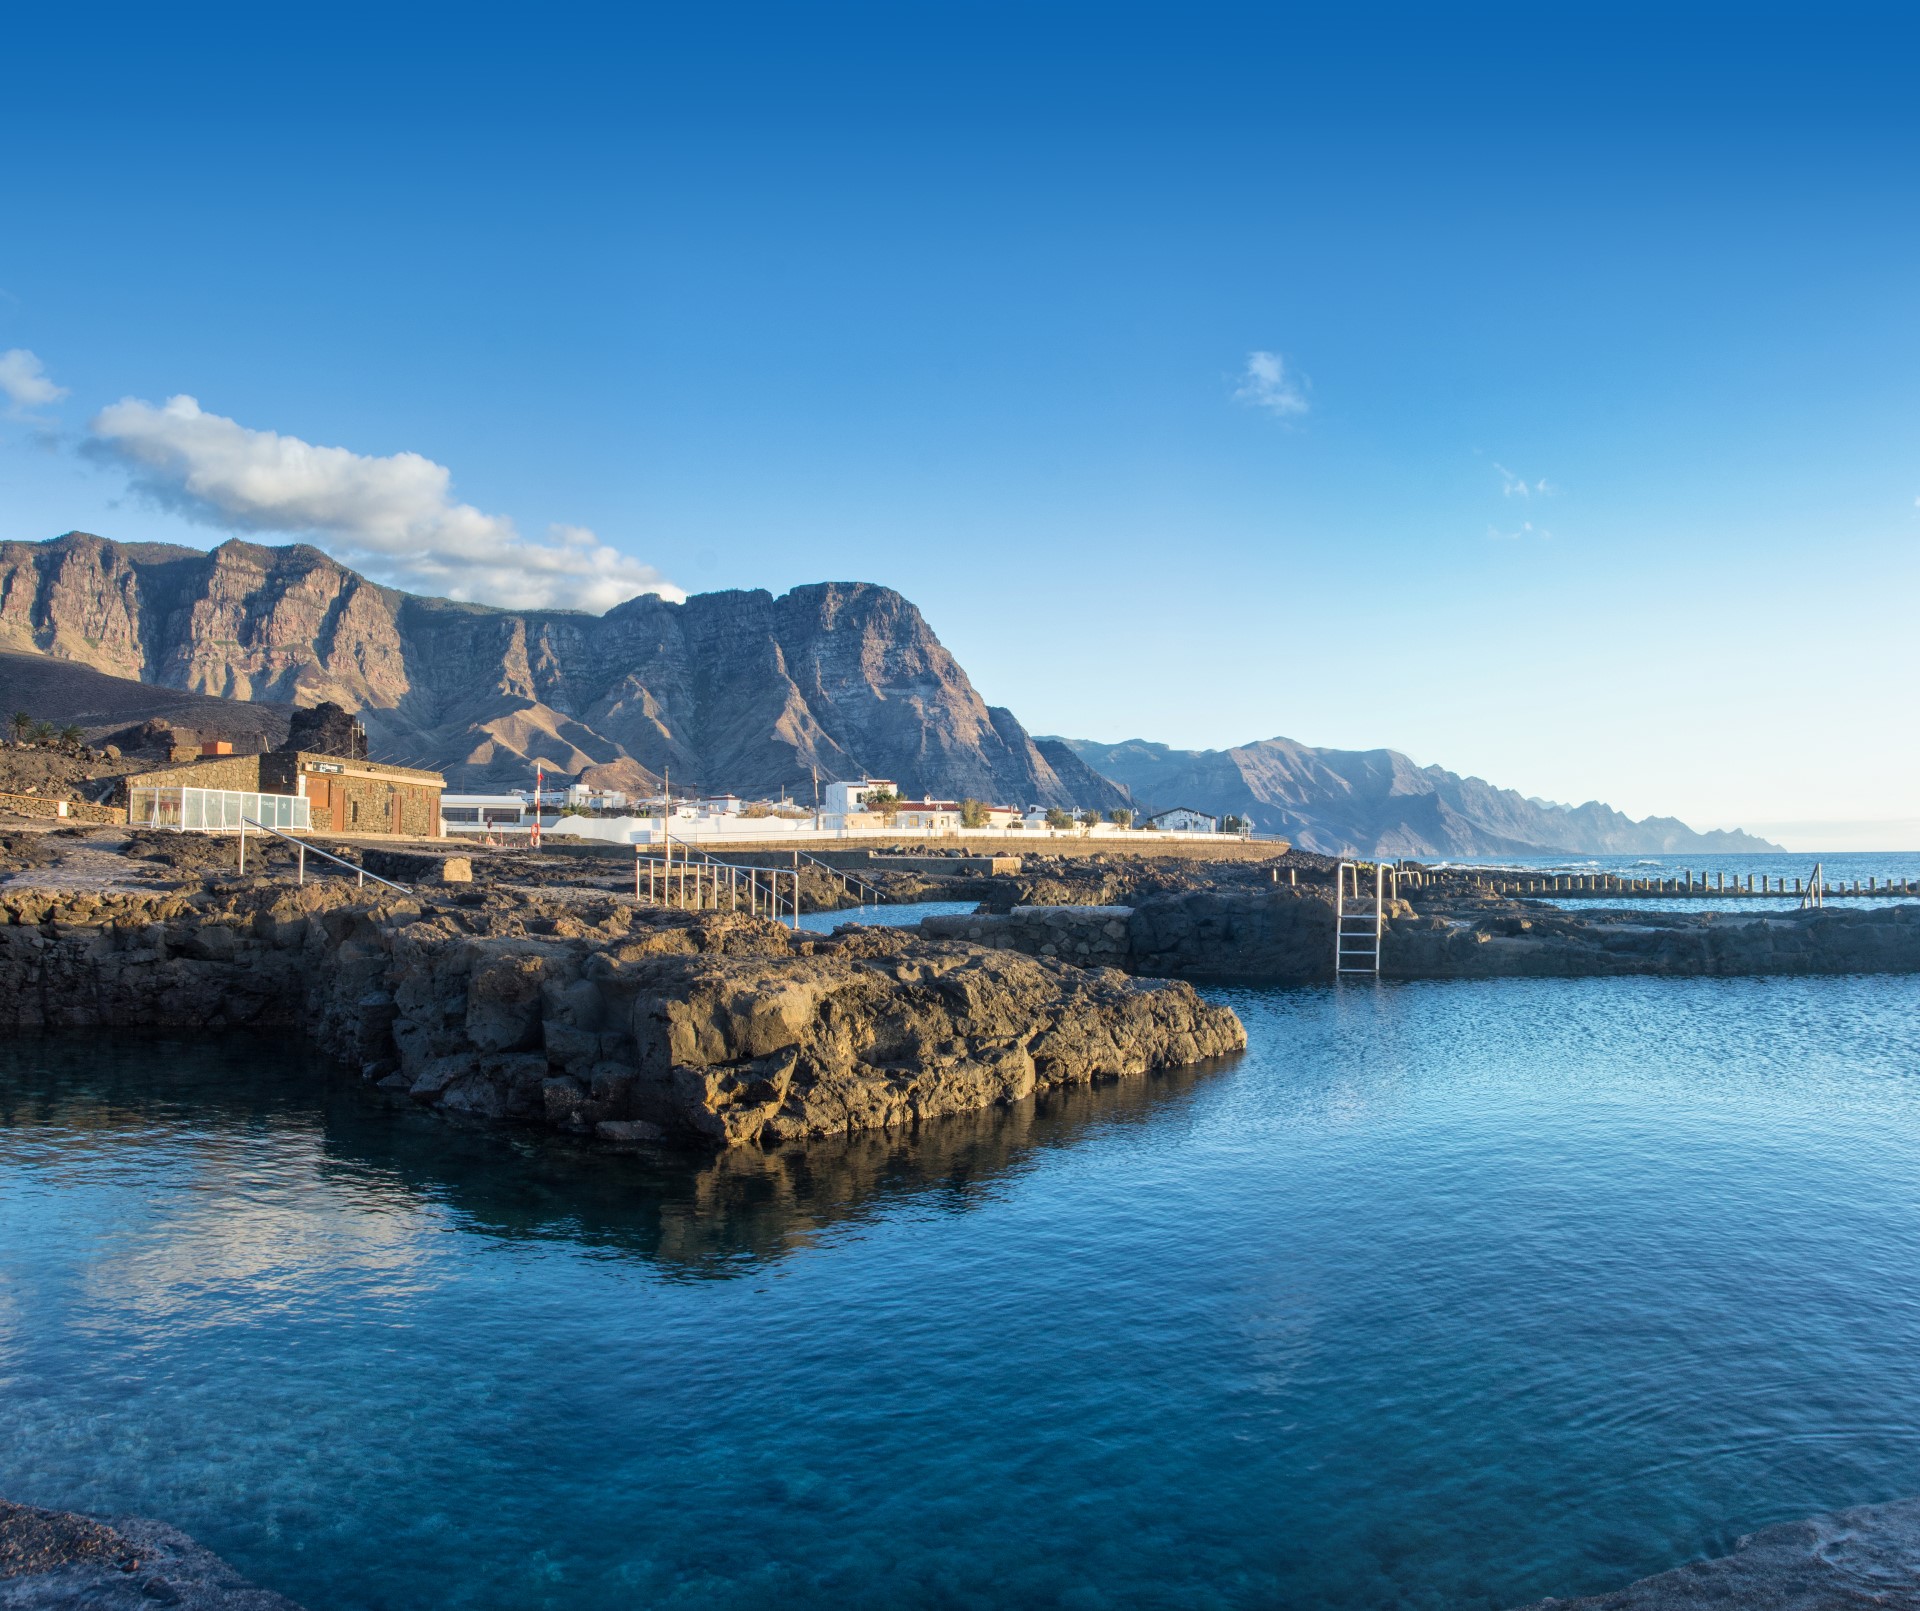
x: 1443, y: 1295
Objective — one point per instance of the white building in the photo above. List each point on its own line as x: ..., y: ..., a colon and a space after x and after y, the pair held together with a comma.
x: 928, y: 816
x: 480, y: 813
x: 584, y: 798
x: 1184, y: 819
x: 844, y: 799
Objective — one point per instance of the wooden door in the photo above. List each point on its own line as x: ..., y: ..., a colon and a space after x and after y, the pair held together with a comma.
x: 399, y: 796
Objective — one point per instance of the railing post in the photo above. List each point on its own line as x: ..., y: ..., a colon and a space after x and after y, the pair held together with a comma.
x: 303, y: 863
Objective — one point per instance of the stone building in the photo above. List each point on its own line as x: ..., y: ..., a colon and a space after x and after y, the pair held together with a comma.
x: 346, y: 795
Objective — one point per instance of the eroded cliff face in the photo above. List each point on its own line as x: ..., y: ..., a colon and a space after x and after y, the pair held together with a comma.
x: 736, y: 690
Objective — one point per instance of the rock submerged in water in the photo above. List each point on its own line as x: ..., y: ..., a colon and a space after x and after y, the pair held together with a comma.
x: 1842, y: 1561
x: 51, y: 1560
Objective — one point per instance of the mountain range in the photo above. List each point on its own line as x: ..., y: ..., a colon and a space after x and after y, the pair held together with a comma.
x: 733, y: 690
x: 1378, y: 802
x: 737, y: 690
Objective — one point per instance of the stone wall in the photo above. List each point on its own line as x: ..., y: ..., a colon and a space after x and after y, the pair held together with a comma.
x: 348, y: 796
x: 1092, y: 936
x: 1286, y: 937
x: 1549, y: 943
x: 238, y: 772
x: 40, y: 805
x: 1281, y: 938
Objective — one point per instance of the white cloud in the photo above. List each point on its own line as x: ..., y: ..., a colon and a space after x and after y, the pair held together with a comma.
x: 393, y: 516
x: 1517, y: 486
x: 1527, y: 529
x: 1265, y: 383
x: 24, y: 380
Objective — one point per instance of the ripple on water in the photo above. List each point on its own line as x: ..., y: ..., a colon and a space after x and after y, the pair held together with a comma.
x: 1442, y: 1295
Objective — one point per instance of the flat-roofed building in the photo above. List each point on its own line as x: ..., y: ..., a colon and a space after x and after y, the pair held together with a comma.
x: 344, y: 795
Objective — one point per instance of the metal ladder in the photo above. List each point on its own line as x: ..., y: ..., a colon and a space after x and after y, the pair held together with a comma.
x: 1356, y: 934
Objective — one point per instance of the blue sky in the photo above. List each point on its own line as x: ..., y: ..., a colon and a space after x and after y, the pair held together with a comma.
x: 1535, y: 392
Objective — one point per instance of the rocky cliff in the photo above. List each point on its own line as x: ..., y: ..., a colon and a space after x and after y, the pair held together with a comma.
x: 1379, y: 803
x: 737, y: 690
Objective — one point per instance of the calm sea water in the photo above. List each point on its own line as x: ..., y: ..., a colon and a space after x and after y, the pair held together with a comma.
x: 904, y: 916
x: 1838, y: 867
x: 1441, y: 1296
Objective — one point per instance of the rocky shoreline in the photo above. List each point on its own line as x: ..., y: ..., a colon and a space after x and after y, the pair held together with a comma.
x: 53, y: 1560
x: 541, y: 994
x: 596, y: 1016
x: 1284, y: 935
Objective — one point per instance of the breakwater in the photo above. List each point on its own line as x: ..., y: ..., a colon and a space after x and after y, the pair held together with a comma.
x: 1716, y: 885
x: 1286, y: 937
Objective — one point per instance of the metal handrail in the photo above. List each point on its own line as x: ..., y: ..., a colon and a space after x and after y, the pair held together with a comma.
x: 870, y: 896
x: 303, y: 847
x: 873, y: 895
x: 772, y: 875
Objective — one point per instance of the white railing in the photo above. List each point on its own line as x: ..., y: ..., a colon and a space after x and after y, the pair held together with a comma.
x: 1357, y: 934
x: 707, y: 885
x: 215, y: 810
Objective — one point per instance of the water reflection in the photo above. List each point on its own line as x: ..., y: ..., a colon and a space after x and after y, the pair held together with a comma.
x: 98, y: 1099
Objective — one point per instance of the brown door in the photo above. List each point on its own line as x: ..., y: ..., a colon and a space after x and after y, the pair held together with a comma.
x: 337, y: 806
x: 398, y: 797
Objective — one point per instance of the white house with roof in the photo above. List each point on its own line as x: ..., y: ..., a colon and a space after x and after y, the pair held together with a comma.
x: 928, y: 816
x: 847, y: 797
x: 1184, y: 819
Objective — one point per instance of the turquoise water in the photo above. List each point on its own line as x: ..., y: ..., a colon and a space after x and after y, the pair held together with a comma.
x: 1441, y: 1296
x: 902, y: 916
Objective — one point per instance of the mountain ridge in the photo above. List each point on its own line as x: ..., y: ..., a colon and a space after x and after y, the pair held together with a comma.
x: 739, y: 690
x: 1380, y: 803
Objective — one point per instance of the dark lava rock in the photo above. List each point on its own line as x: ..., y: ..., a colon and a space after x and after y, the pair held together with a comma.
x: 1866, y: 1556
x: 55, y: 1559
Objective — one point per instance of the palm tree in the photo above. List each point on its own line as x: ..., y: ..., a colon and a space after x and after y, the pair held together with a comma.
x: 70, y: 734
x: 22, y: 723
x: 42, y: 732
